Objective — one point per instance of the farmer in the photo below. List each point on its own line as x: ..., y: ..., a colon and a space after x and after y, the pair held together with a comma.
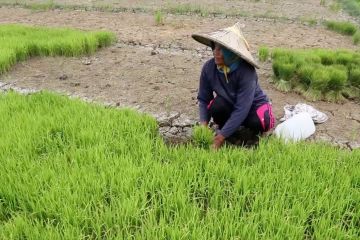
x: 229, y: 91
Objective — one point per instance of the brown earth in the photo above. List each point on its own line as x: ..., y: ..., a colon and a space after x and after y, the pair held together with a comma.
x: 156, y: 68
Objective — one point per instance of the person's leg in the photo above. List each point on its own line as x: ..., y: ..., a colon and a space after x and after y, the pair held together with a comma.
x: 262, y: 120
x: 256, y: 123
x: 220, y: 110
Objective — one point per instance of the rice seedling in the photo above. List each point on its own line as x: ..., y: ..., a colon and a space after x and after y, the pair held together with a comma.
x: 313, y: 94
x: 286, y: 71
x: 283, y: 85
x: 345, y: 28
x: 356, y: 38
x: 351, y: 6
x: 18, y: 43
x: 320, y: 79
x: 159, y: 18
x: 334, y: 96
x: 327, y: 57
x: 315, y: 72
x: 202, y: 136
x: 344, y: 57
x: 263, y: 53
x: 304, y: 73
x: 354, y: 77
x: 73, y: 170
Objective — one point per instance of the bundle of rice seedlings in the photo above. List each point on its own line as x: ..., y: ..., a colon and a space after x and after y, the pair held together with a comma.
x: 320, y: 79
x: 344, y: 58
x: 276, y: 67
x: 305, y: 73
x: 356, y: 38
x: 338, y: 78
x: 313, y: 94
x: 351, y: 92
x: 345, y: 28
x: 327, y: 57
x: 202, y: 136
x: 283, y: 85
x: 298, y: 60
x: 263, y: 53
x: 279, y: 52
x: 286, y: 71
x: 354, y: 77
x: 334, y: 96
x: 312, y: 57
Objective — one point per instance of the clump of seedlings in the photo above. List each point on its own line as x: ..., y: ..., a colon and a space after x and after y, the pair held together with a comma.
x: 318, y: 74
x: 202, y: 136
x: 18, y: 43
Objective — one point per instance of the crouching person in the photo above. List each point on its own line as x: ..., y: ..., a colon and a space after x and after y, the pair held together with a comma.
x: 229, y: 91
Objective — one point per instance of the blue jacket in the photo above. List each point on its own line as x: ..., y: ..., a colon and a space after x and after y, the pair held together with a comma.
x: 242, y: 91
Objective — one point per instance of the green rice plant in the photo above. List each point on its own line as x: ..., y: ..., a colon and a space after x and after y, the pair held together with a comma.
x: 351, y: 6
x: 72, y: 170
x: 187, y: 8
x: 278, y: 53
x: 344, y: 57
x: 338, y: 78
x: 18, y: 43
x: 202, y: 136
x: 313, y: 94
x: 351, y: 92
x: 315, y: 72
x: 283, y: 85
x: 334, y: 96
x: 286, y: 71
x: 159, y: 18
x: 356, y: 37
x: 345, y: 28
x: 312, y: 57
x: 264, y: 53
x: 327, y: 57
x: 305, y: 73
x: 354, y: 77
x: 320, y: 79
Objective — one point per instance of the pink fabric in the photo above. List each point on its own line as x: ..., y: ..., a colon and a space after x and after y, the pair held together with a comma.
x: 261, y: 114
x: 210, y: 103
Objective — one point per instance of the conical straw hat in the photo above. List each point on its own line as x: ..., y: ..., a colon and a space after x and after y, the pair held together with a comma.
x: 232, y: 38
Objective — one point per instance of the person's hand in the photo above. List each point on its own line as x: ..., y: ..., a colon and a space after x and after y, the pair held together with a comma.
x: 218, y: 141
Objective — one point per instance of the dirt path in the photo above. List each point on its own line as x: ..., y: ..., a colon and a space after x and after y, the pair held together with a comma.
x: 156, y: 68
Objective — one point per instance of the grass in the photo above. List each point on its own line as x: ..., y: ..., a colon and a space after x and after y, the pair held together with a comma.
x: 72, y: 170
x: 18, y: 43
x: 319, y: 74
x: 351, y: 6
x: 159, y: 18
x: 345, y: 28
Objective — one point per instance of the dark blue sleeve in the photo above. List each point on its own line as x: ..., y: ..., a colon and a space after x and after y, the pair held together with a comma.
x: 205, y: 95
x: 244, y: 99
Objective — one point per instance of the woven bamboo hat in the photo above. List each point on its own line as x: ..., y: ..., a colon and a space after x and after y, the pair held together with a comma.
x: 231, y: 38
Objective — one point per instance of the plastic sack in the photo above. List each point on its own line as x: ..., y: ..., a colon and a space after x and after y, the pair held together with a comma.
x: 298, y: 127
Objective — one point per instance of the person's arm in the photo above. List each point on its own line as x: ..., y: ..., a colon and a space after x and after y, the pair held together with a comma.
x: 205, y: 95
x: 244, y: 100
